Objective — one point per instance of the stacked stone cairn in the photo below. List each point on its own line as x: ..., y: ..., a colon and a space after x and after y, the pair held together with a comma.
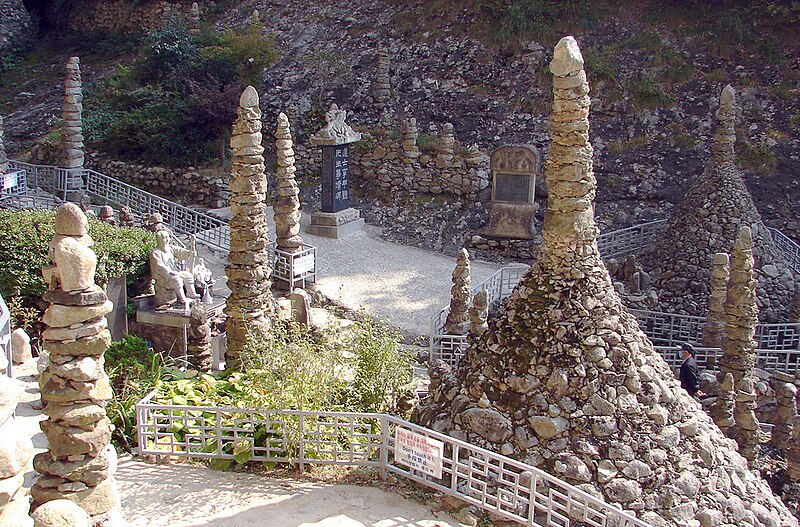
x: 565, y: 380
x: 479, y: 313
x: 198, y: 347
x: 738, y: 346
x: 194, y: 19
x: 381, y: 89
x: 16, y: 450
x: 79, y: 463
x: 447, y: 142
x: 722, y: 410
x: 408, y: 131
x: 287, y: 203
x: 71, y: 112
x: 705, y: 223
x: 460, y: 295
x: 250, y: 303
x: 715, y: 319
x: 3, y: 158
x: 785, y: 417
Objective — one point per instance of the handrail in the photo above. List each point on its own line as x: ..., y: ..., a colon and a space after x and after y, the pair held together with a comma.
x: 509, y: 488
x: 5, y: 336
x: 183, y: 220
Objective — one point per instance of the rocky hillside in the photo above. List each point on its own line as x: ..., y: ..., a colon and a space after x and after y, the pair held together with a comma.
x: 656, y: 74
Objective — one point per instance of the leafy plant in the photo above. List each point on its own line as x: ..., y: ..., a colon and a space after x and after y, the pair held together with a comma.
x: 760, y: 158
x: 134, y: 370
x: 26, y: 236
x: 646, y: 92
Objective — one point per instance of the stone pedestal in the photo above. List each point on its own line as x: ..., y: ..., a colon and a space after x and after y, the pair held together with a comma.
x: 511, y: 220
x: 335, y: 224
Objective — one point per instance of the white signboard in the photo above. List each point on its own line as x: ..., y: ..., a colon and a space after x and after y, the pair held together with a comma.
x: 303, y: 264
x: 10, y: 180
x: 418, y: 452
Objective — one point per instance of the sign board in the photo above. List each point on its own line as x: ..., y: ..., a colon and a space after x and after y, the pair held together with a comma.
x: 303, y: 264
x: 10, y: 180
x: 335, y: 178
x: 514, y: 188
x: 418, y: 452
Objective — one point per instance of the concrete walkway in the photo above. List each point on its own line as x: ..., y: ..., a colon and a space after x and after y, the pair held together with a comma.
x: 404, y: 285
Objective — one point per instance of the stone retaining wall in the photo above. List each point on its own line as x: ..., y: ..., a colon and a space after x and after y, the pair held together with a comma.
x: 15, y: 26
x: 120, y: 16
x: 382, y: 158
x: 183, y: 185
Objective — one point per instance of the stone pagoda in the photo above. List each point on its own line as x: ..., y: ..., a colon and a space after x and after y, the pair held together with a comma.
x: 705, y: 223
x: 565, y: 380
x: 250, y: 304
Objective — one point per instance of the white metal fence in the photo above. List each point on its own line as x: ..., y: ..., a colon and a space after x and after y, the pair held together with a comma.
x: 630, y: 240
x: 789, y: 249
x: 449, y: 348
x: 67, y: 183
x: 5, y: 336
x: 787, y: 360
x: 299, y: 267
x: 495, y: 483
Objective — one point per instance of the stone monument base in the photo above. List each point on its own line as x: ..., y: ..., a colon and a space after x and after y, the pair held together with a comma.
x: 335, y: 224
x: 511, y: 220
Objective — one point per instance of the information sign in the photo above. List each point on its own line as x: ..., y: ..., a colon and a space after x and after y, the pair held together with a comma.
x: 418, y: 452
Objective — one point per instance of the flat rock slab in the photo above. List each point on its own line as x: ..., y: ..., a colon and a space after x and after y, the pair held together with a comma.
x: 183, y: 496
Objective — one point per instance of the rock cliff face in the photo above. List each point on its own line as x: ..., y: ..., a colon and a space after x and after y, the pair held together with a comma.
x: 16, y: 32
x: 564, y: 379
x: 706, y: 222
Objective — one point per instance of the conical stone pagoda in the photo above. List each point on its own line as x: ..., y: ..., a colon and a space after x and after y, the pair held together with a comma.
x: 706, y: 222
x: 565, y: 380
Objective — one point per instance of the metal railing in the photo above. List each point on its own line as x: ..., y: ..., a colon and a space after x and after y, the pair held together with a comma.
x: 5, y: 336
x: 789, y: 249
x: 787, y: 361
x: 299, y: 267
x: 669, y: 329
x: 630, y: 240
x: 511, y: 489
x: 184, y: 221
x: 449, y: 348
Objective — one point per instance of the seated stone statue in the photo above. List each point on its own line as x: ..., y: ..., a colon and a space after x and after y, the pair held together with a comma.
x: 171, y: 283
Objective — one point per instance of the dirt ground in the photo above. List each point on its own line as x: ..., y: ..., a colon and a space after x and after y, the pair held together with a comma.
x: 178, y: 495
x: 188, y: 496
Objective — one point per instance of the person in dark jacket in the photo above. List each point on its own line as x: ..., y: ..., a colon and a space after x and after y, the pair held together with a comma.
x: 690, y: 374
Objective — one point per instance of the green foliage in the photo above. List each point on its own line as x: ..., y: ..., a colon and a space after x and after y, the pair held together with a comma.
x: 646, y: 92
x: 633, y: 143
x: 26, y: 236
x: 176, y: 101
x: 134, y: 370
x: 359, y: 368
x: 760, y: 158
x: 383, y: 370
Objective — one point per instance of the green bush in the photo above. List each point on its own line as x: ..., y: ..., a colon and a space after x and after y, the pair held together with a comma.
x: 26, y: 236
x: 134, y: 370
x: 178, y: 98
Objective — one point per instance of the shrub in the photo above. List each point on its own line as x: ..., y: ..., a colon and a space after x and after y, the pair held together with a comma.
x: 134, y: 370
x: 647, y: 93
x: 26, y: 236
x: 758, y: 158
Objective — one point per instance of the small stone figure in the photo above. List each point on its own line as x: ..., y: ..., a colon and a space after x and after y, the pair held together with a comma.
x: 203, y: 280
x: 155, y: 223
x: 71, y: 115
x: 171, y: 283
x: 198, y: 347
x: 336, y: 130
x: 86, y: 206
x: 380, y: 87
x: 107, y: 215
x: 126, y: 218
x: 444, y: 158
x: 785, y: 416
